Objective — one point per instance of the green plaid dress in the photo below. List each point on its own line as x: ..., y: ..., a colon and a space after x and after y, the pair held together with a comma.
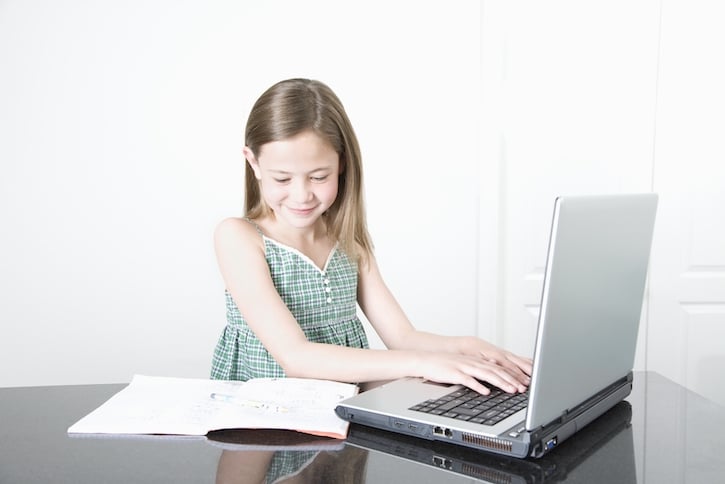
x: 324, y: 303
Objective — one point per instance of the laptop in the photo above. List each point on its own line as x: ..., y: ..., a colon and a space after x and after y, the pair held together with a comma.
x: 581, y: 459
x: 591, y: 303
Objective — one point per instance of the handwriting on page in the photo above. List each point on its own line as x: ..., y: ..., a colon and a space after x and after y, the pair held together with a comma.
x: 156, y: 405
x: 264, y: 400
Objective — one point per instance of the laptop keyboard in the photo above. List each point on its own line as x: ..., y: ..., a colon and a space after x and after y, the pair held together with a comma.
x: 466, y: 404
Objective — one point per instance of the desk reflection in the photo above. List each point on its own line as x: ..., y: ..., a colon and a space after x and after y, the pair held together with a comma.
x: 586, y: 457
x: 279, y: 456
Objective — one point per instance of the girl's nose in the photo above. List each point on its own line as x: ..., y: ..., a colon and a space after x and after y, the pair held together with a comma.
x: 301, y: 192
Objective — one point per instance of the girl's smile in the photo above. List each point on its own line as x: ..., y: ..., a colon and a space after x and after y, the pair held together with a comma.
x: 302, y: 212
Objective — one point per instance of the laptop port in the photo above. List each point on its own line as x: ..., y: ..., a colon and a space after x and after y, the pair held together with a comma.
x: 442, y: 462
x: 442, y: 431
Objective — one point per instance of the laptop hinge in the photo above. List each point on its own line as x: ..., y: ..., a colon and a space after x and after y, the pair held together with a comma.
x: 572, y: 413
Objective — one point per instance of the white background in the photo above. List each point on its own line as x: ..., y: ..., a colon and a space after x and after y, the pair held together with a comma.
x: 122, y: 127
x: 120, y: 150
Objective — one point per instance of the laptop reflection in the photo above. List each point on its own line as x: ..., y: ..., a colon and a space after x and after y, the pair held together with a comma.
x: 604, y: 444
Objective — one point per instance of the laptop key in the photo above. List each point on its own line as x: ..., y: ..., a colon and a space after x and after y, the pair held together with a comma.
x: 450, y: 405
x: 470, y: 412
x: 490, y: 413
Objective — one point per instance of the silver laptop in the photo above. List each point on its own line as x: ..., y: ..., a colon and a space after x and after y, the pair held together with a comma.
x: 591, y: 304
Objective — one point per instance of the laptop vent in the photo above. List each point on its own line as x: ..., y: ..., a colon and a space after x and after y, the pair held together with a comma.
x: 489, y: 475
x: 489, y: 442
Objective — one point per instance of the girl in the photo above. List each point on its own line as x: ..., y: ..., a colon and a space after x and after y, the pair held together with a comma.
x: 296, y: 266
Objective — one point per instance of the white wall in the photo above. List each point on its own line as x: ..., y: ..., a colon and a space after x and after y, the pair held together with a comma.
x: 687, y: 317
x: 121, y: 130
x: 608, y: 97
x: 575, y: 115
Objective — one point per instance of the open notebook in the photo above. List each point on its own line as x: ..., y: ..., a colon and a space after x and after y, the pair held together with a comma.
x: 192, y: 406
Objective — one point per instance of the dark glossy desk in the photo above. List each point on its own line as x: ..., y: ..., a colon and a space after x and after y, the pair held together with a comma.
x: 665, y: 434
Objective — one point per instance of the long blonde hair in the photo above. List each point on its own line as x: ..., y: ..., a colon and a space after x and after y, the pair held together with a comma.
x: 287, y: 109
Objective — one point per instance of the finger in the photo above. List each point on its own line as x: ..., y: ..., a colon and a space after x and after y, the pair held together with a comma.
x: 472, y: 372
x: 519, y: 365
x: 476, y: 386
x: 505, y: 360
x: 520, y: 376
x: 526, y: 365
x: 499, y: 377
x: 512, y: 382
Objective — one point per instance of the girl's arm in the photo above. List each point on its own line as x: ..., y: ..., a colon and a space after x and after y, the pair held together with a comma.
x: 243, y: 467
x: 396, y: 331
x: 240, y: 253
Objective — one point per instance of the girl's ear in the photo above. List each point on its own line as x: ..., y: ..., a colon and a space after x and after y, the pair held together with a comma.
x: 253, y: 163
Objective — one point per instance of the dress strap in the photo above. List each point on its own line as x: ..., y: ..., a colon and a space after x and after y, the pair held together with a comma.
x: 254, y: 224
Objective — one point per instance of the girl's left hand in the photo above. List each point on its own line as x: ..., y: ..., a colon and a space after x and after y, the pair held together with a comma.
x: 520, y: 366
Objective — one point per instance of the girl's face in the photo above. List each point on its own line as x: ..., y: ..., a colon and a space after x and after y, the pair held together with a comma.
x: 298, y: 177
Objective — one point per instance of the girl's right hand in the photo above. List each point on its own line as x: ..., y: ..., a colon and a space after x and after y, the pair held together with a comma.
x: 469, y: 371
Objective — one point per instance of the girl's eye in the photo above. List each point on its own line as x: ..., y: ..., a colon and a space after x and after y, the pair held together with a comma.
x: 319, y: 178
x: 281, y: 180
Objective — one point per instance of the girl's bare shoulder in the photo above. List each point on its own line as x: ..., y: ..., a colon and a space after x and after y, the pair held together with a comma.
x: 237, y: 232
